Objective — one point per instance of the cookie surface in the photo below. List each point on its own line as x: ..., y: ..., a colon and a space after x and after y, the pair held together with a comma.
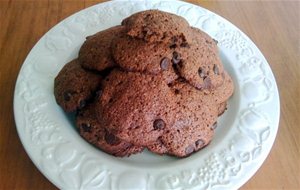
x: 95, y: 53
x: 199, y: 63
x: 143, y: 109
x: 193, y: 116
x: 94, y: 132
x: 74, y: 86
x: 156, y: 26
x: 196, y: 61
x: 130, y: 103
x: 139, y: 56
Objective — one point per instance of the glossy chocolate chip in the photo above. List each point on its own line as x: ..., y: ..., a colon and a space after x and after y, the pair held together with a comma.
x: 173, y: 40
x: 173, y: 46
x: 185, y: 45
x: 201, y: 72
x: 98, y: 94
x: 82, y: 104
x: 85, y: 127
x: 111, y: 139
x: 159, y: 124
x: 68, y: 95
x: 189, y: 149
x: 214, y: 126
x: 176, y: 58
x: 216, y: 69
x: 164, y: 64
x: 199, y: 143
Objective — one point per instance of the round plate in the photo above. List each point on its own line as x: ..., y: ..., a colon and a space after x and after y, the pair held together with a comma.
x: 242, y: 141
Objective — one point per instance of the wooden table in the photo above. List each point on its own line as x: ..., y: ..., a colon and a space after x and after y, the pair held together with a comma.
x: 273, y: 25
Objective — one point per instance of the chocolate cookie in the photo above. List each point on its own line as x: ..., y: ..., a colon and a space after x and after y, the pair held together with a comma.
x: 95, y: 53
x: 163, y: 86
x: 156, y: 26
x: 191, y: 127
x: 131, y: 103
x: 95, y: 133
x: 74, y: 86
x: 149, y: 39
x: 199, y: 64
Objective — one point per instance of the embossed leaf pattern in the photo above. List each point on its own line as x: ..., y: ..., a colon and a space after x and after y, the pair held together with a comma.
x: 64, y: 153
x: 256, y: 152
x: 57, y: 42
x: 49, y: 165
x: 234, y: 171
x: 93, y: 174
x: 264, y: 134
x: 70, y: 179
x: 125, y: 180
x: 188, y: 12
x: 245, y: 156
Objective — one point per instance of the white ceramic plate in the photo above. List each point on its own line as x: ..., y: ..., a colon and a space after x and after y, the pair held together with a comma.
x: 243, y: 139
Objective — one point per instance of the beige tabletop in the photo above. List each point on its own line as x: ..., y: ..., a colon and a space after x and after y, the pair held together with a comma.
x: 274, y: 26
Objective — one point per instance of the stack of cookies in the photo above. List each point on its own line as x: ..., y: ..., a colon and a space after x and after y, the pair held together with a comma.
x: 153, y: 82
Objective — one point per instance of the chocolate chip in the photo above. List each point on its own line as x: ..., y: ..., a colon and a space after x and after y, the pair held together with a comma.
x: 180, y: 64
x: 176, y: 57
x: 208, y: 41
x: 98, y: 94
x: 173, y: 46
x: 207, y: 82
x: 68, y: 95
x: 214, y: 126
x: 216, y: 69
x: 201, y: 72
x: 82, y: 103
x: 159, y: 124
x: 216, y: 41
x: 176, y: 91
x: 164, y: 64
x: 86, y: 127
x: 189, y: 149
x: 185, y: 45
x: 111, y: 139
x: 199, y: 143
x: 173, y: 40
x: 78, y: 113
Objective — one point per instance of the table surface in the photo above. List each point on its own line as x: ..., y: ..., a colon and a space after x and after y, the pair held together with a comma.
x: 274, y: 26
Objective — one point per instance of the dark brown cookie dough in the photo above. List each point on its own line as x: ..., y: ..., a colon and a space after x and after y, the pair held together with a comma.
x: 199, y: 63
x: 156, y: 26
x: 190, y: 127
x: 95, y: 133
x: 131, y: 103
x: 74, y: 86
x: 95, y: 53
x: 139, y: 56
